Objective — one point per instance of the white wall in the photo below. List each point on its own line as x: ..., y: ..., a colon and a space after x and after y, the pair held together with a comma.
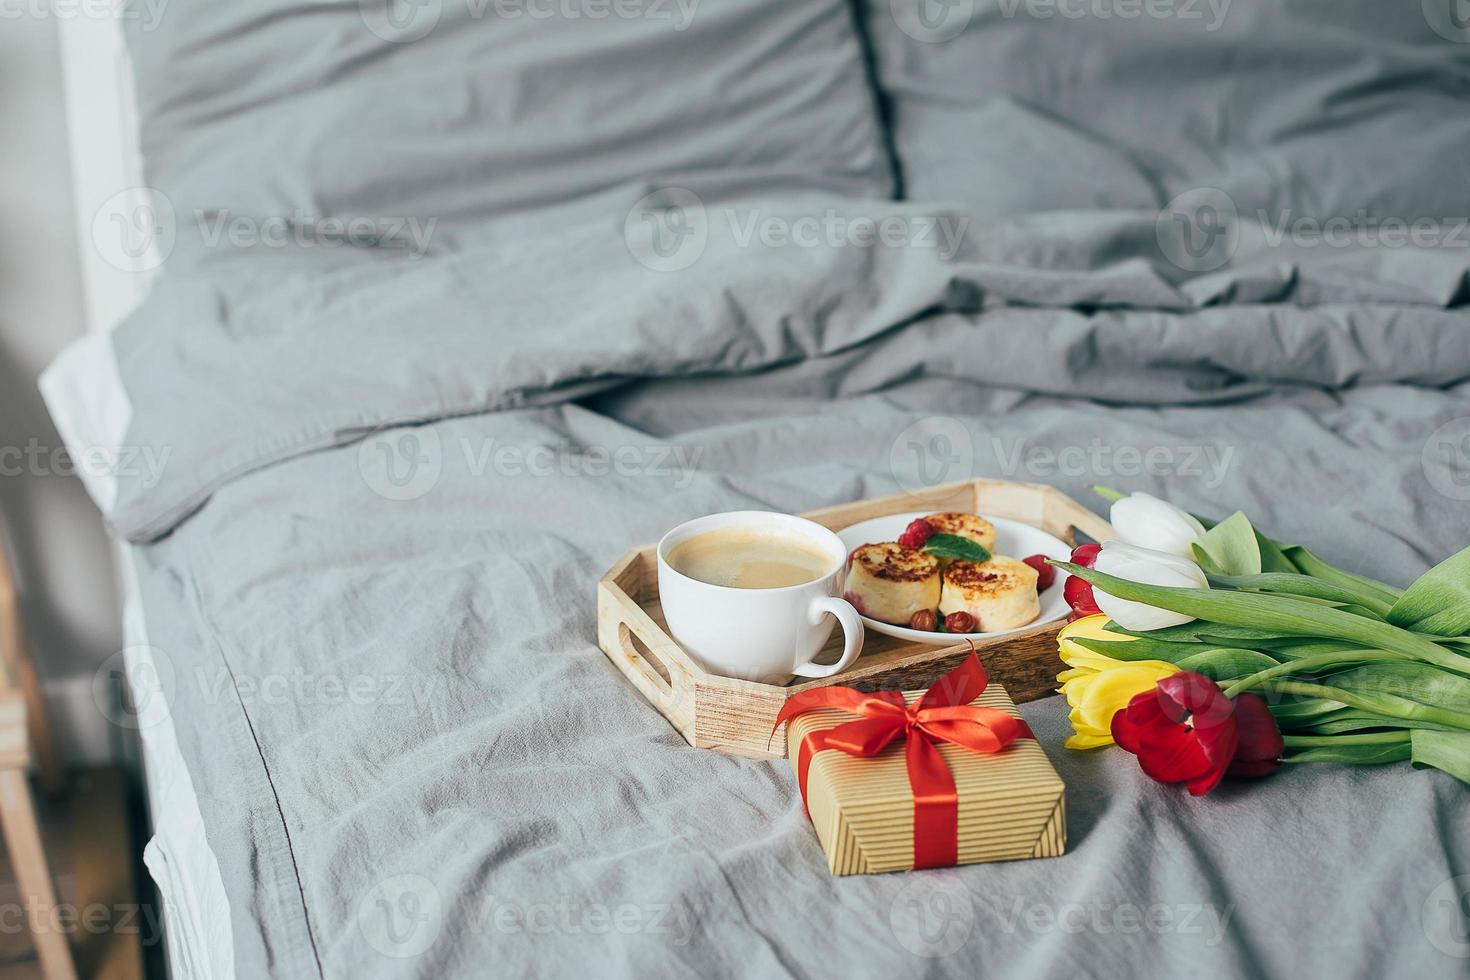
x: 55, y: 533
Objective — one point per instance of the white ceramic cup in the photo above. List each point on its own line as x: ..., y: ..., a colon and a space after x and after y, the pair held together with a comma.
x: 763, y: 635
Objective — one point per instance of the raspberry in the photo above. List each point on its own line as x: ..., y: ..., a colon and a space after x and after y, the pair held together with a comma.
x: 1045, y: 574
x: 914, y: 536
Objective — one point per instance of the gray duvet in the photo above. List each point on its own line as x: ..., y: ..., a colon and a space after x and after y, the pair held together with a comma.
x: 393, y: 476
x: 414, y: 762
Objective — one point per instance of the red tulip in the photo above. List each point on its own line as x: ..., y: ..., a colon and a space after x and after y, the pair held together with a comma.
x: 1260, y: 745
x: 1077, y: 592
x: 1183, y: 731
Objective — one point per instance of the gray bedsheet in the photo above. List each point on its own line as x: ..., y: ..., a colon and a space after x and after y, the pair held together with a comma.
x: 413, y: 761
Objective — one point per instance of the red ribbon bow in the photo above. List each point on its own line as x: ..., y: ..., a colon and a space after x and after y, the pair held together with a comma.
x: 943, y: 714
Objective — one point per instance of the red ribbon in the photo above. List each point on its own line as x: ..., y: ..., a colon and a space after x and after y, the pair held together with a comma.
x: 943, y: 714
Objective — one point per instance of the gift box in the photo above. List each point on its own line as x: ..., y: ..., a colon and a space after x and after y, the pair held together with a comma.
x: 924, y: 779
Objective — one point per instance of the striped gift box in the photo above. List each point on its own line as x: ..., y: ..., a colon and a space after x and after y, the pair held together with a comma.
x: 1011, y: 804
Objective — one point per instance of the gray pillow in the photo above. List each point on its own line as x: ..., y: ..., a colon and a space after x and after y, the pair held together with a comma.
x: 1319, y: 107
x: 463, y: 110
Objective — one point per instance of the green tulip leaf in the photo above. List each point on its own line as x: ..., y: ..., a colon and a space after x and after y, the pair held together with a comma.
x: 1446, y: 751
x: 1230, y: 548
x: 1303, y: 711
x: 1357, y: 755
x: 1439, y: 602
x: 1142, y: 648
x: 1206, y: 632
x: 1348, y: 720
x: 1306, y: 587
x: 1309, y: 564
x: 1288, y: 614
x: 1226, y: 664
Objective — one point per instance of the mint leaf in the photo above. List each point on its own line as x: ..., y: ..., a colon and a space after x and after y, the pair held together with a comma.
x: 954, y: 546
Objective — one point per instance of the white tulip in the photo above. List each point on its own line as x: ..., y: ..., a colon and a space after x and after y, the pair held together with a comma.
x: 1146, y: 521
x: 1146, y: 567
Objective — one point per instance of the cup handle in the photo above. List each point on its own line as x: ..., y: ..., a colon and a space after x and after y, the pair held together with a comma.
x: 852, y: 632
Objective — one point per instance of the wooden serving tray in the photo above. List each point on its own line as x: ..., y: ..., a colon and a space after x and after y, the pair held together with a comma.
x: 736, y: 716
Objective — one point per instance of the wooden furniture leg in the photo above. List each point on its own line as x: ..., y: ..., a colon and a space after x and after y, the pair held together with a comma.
x: 23, y: 841
x: 20, y: 672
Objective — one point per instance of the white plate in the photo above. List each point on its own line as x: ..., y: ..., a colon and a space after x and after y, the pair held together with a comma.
x: 1011, y: 538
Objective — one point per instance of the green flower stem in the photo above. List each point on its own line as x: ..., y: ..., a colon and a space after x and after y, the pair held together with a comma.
x: 1304, y: 586
x: 1310, y: 663
x: 1291, y: 616
x: 1373, y: 738
x: 1394, y: 707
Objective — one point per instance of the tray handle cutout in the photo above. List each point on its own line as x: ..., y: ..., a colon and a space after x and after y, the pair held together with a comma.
x: 646, y: 662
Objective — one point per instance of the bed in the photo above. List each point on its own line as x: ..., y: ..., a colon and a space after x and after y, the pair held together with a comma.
x: 385, y: 481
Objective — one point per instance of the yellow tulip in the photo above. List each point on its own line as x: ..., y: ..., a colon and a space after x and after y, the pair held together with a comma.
x: 1097, y: 687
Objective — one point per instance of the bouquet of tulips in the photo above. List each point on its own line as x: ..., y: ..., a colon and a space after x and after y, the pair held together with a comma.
x: 1208, y: 649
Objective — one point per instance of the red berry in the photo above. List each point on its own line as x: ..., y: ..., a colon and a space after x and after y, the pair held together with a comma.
x: 914, y: 536
x: 1086, y: 554
x: 1045, y: 574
